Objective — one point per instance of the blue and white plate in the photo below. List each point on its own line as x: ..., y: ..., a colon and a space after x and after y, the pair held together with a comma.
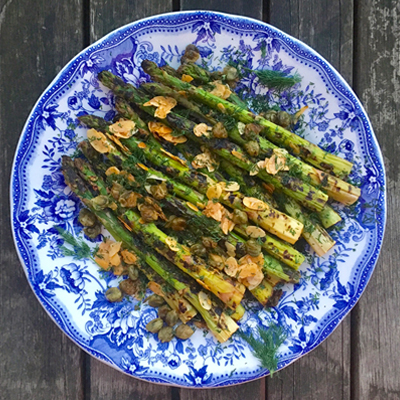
x: 72, y: 292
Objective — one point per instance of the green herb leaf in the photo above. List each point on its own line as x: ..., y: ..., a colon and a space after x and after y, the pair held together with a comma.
x: 266, y: 345
x: 276, y: 79
x: 80, y: 250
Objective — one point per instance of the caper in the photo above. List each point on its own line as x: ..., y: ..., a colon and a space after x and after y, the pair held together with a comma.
x: 114, y: 295
x: 208, y: 242
x: 198, y: 250
x: 219, y: 131
x: 155, y: 325
x: 100, y: 202
x: 128, y: 287
x: 159, y: 191
x: 191, y: 47
x: 165, y: 334
x: 230, y: 73
x: 252, y: 148
x: 116, y: 190
x: 239, y: 217
x: 171, y: 318
x: 176, y: 223
x: 133, y: 272
x: 183, y: 332
x: 87, y: 218
x: 271, y: 115
x: 216, y: 261
x: 283, y: 119
x: 163, y: 311
x: 240, y: 249
x: 92, y: 231
x: 252, y: 129
x: 148, y: 213
x: 155, y: 301
x: 253, y: 248
x: 128, y: 199
x: 216, y: 75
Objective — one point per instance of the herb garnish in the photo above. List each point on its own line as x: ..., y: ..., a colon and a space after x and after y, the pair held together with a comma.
x: 265, y: 346
x: 80, y: 249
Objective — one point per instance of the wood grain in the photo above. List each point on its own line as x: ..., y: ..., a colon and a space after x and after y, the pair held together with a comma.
x: 106, y: 382
x: 106, y: 15
x: 249, y: 8
x: 376, y: 341
x: 325, y: 372
x: 326, y: 26
x: 37, y: 360
x: 256, y: 389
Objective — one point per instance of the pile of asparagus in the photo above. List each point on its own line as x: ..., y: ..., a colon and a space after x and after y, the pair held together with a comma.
x: 203, y: 198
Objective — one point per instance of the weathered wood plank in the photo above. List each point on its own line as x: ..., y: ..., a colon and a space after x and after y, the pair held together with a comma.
x: 248, y: 391
x: 318, y: 375
x: 106, y: 382
x: 249, y: 8
x: 106, y: 16
x: 376, y: 341
x: 252, y: 390
x: 37, y: 360
x: 328, y: 28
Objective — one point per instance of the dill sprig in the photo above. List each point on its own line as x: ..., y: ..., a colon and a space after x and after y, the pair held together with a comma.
x: 80, y: 250
x: 277, y: 80
x: 265, y: 346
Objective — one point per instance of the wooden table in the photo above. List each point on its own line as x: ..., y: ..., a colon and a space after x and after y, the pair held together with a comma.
x: 360, y: 360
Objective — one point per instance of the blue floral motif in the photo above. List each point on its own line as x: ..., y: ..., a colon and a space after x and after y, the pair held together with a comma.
x: 25, y: 225
x: 49, y: 116
x: 72, y: 277
x: 198, y: 377
x: 206, y: 32
x: 74, y: 102
x: 350, y: 116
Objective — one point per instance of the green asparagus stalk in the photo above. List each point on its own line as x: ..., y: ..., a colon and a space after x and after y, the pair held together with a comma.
x: 278, y: 135
x: 292, y: 186
x: 222, y: 327
x: 202, y: 77
x: 172, y: 276
x: 315, y: 235
x: 272, y: 268
x: 158, y: 89
x: 280, y: 250
x: 229, y: 291
x: 336, y: 188
x: 274, y: 221
x: 175, y: 300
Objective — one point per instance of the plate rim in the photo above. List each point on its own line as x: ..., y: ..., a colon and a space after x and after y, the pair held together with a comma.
x: 374, y: 142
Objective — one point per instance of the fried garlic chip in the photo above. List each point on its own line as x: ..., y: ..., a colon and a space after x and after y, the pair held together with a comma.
x: 164, y: 105
x: 204, y: 160
x: 231, y: 266
x: 186, y: 78
x: 227, y: 224
x: 172, y: 244
x: 214, y: 210
x: 250, y: 275
x: 123, y: 129
x: 220, y: 90
x: 202, y: 130
x: 255, y: 204
x: 99, y: 141
x: 165, y: 132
